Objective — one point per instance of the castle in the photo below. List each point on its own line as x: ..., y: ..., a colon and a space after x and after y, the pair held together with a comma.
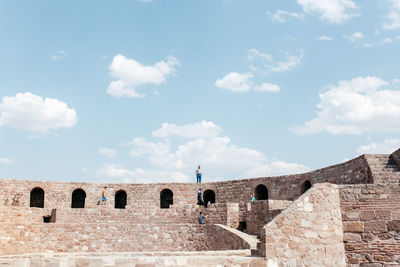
x: 343, y: 215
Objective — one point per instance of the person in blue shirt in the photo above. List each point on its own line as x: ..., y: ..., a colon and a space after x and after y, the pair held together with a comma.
x: 201, y: 218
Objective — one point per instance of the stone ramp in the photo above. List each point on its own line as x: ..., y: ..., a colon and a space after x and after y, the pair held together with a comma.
x: 240, y: 258
x: 252, y: 240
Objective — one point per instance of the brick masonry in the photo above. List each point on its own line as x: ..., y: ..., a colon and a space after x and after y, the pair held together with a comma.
x: 368, y: 199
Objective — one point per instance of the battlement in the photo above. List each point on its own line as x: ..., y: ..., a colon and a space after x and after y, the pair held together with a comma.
x: 39, y: 217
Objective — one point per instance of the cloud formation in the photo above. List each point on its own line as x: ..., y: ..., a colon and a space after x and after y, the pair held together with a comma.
x: 6, y: 161
x: 392, y: 18
x: 387, y: 146
x: 267, y: 87
x: 236, y: 82
x: 30, y: 112
x: 355, y: 107
x: 114, y: 172
x: 201, y: 129
x: 220, y: 158
x: 130, y: 74
x: 107, y: 152
x: 281, y: 15
x: 334, y: 11
x: 324, y: 38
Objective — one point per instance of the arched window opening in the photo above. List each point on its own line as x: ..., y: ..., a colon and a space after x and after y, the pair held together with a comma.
x: 208, y: 197
x: 261, y: 192
x: 37, y: 197
x: 120, y: 199
x: 166, y: 198
x: 78, y: 199
x: 306, y: 185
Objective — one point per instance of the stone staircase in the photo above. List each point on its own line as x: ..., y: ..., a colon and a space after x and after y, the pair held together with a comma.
x: 384, y: 169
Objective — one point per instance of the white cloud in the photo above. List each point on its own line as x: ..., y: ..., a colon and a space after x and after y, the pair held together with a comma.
x: 30, y: 112
x: 334, y: 11
x: 60, y: 54
x: 324, y: 38
x: 267, y: 87
x: 121, y: 89
x: 236, y: 82
x: 254, y: 54
x: 355, y: 107
x: 355, y: 37
x: 281, y: 15
x: 107, y: 152
x: 144, y: 1
x: 130, y: 74
x: 292, y: 62
x: 6, y: 161
x: 143, y: 147
x: 266, y: 62
x: 392, y: 18
x: 117, y: 172
x: 221, y: 159
x: 194, y: 130
x: 386, y: 147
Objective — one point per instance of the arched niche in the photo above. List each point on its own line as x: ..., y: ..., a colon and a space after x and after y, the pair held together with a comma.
x: 37, y: 198
x: 305, y: 186
x: 261, y: 192
x: 120, y: 199
x: 166, y: 198
x: 208, y: 196
x: 78, y: 199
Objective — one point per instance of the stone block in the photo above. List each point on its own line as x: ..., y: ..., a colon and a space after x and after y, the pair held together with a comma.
x: 367, y: 215
x: 375, y: 226
x: 353, y: 227
x: 382, y: 215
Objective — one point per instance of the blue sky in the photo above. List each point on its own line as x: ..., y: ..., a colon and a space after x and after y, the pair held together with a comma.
x: 143, y: 91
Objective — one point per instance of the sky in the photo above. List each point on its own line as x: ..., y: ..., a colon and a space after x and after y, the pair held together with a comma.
x: 144, y: 91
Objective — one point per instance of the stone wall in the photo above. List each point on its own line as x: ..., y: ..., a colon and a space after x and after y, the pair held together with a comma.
x: 259, y: 215
x: 371, y: 221
x: 395, y: 156
x: 58, y: 195
x: 23, y: 231
x: 193, y: 259
x: 308, y: 233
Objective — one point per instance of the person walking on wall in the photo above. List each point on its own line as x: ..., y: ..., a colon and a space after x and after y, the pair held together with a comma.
x: 103, y: 196
x: 198, y: 174
x: 199, y: 200
x: 201, y: 218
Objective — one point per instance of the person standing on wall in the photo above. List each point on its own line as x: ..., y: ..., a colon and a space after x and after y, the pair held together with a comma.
x: 103, y: 196
x: 199, y: 200
x: 198, y: 174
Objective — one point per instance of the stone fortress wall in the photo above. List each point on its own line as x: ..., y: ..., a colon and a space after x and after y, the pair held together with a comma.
x: 140, y: 224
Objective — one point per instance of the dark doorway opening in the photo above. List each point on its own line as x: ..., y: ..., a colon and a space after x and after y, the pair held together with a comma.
x: 261, y: 192
x: 78, y: 199
x: 306, y: 185
x: 37, y: 197
x: 208, y: 197
x: 242, y: 227
x: 166, y: 198
x: 120, y: 199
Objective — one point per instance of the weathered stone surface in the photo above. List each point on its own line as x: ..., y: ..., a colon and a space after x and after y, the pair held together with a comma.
x: 319, y: 231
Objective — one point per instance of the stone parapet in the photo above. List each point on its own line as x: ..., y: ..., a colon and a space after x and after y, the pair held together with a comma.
x: 307, y: 233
